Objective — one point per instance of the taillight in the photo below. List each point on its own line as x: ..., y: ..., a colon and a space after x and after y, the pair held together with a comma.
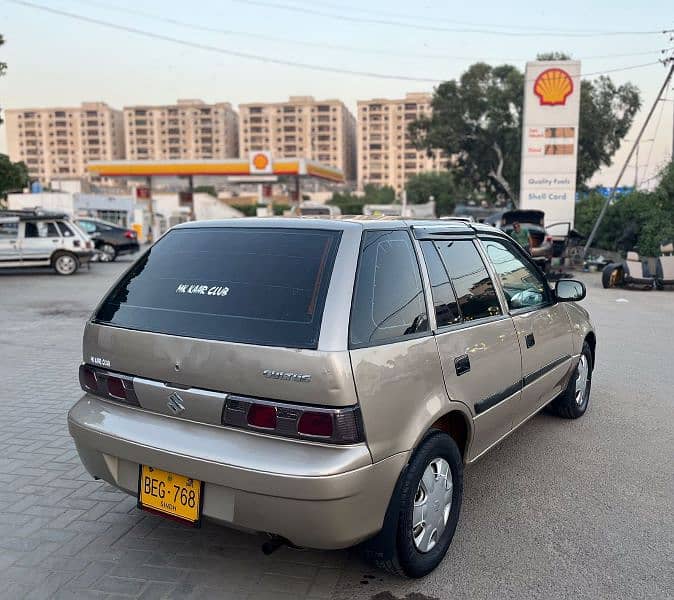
x: 89, y: 245
x: 548, y: 238
x: 262, y: 415
x: 331, y: 425
x: 130, y: 235
x: 88, y: 380
x: 108, y: 385
x: 116, y: 388
x: 315, y: 423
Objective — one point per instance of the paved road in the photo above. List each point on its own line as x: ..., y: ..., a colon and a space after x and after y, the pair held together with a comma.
x: 560, y: 510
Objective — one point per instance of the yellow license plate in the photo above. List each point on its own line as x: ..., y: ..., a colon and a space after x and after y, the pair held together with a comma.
x: 170, y: 494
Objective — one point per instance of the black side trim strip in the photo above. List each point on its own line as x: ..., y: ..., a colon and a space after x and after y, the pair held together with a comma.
x: 546, y: 369
x: 487, y: 403
x: 490, y: 401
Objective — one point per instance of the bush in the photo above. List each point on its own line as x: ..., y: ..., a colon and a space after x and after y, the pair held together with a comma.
x: 641, y: 220
x: 248, y: 210
x: 442, y: 186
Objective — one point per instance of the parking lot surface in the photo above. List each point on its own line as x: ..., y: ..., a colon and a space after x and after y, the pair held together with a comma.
x: 561, y: 509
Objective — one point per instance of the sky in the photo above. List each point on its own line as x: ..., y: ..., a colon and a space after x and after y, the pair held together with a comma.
x: 56, y: 60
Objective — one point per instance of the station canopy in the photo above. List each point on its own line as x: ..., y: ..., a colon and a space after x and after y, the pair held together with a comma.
x: 259, y: 166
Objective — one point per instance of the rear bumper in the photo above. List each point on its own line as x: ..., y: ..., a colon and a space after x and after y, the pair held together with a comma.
x: 314, y: 495
x: 127, y: 248
x: 84, y: 256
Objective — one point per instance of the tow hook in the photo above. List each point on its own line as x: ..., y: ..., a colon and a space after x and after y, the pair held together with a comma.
x: 275, y: 542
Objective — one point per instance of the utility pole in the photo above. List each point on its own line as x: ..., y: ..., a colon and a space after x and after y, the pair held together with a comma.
x: 634, y: 149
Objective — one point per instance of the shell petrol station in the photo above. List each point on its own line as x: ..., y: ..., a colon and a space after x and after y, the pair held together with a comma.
x: 260, y: 168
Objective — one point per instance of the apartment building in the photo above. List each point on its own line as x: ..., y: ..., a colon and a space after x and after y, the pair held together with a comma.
x: 189, y: 129
x: 386, y: 155
x: 324, y: 131
x: 57, y: 143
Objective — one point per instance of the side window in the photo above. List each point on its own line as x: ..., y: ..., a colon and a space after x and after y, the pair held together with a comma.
x: 523, y: 286
x: 41, y: 229
x: 388, y: 300
x: 65, y: 229
x: 88, y: 226
x: 30, y: 230
x: 9, y: 231
x: 51, y: 231
x: 444, y: 299
x: 474, y: 288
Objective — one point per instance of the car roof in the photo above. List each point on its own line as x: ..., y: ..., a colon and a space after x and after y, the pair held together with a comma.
x: 341, y: 223
x: 32, y: 215
x: 96, y: 220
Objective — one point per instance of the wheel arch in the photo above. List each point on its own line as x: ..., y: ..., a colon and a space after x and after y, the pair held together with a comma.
x: 458, y: 426
x: 591, y: 340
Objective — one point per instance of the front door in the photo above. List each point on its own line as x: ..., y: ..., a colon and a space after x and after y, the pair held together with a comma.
x: 40, y: 239
x: 543, y: 327
x: 477, y: 343
x: 10, y: 254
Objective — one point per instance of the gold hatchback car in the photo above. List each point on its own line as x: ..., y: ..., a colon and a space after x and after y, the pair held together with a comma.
x: 324, y: 381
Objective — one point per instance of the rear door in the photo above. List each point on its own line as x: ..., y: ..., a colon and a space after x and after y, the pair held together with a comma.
x: 394, y: 356
x: 40, y: 239
x: 9, y: 242
x: 237, y: 310
x: 476, y: 340
x: 543, y: 326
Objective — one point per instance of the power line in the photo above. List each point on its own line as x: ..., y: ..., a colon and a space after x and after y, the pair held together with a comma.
x: 257, y: 57
x: 210, y: 48
x: 419, y: 27
x: 438, y: 19
x: 340, y: 47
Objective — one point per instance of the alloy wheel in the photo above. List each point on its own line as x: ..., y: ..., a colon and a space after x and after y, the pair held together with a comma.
x: 66, y: 264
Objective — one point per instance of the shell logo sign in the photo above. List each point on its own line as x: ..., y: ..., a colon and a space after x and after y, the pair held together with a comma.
x: 553, y: 87
x: 260, y: 162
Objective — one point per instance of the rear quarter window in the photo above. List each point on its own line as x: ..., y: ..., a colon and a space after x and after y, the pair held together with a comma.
x: 388, y: 301
x: 250, y: 285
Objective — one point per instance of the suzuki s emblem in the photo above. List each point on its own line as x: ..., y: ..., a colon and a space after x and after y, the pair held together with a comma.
x: 175, y: 403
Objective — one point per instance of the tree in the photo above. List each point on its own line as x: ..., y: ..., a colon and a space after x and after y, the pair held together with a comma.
x: 640, y: 220
x: 442, y: 186
x: 13, y: 176
x: 477, y: 121
x: 352, y: 204
x: 206, y: 189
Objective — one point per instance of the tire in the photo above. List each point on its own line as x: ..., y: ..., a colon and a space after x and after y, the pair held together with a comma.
x: 65, y: 263
x: 417, y: 555
x: 572, y: 402
x: 608, y: 279
x: 108, y: 253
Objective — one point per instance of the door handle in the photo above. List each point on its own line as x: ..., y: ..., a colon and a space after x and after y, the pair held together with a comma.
x: 462, y: 364
x: 530, y: 340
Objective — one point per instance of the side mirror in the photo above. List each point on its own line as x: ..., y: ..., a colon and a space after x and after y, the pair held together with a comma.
x: 569, y: 290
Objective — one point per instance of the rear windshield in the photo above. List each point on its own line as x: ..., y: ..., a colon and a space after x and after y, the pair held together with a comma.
x: 250, y: 285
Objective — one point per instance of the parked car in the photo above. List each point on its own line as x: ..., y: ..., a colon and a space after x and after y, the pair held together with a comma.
x: 324, y: 381
x: 31, y: 238
x: 545, y: 243
x: 110, y: 240
x: 314, y: 209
